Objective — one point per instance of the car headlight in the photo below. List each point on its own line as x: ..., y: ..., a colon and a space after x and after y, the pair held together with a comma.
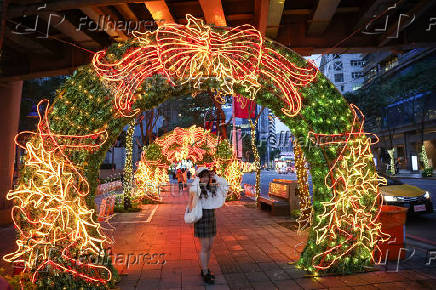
x: 389, y: 198
x: 427, y: 195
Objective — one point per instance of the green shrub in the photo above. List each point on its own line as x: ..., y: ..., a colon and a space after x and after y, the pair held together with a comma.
x: 427, y: 172
x: 295, y: 213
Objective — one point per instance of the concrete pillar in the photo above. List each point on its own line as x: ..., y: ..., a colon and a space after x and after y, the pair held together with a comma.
x: 10, y: 96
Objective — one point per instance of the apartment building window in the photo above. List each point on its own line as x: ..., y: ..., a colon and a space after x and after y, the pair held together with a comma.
x: 339, y: 78
x: 355, y: 62
x: 392, y: 62
x: 357, y: 74
x: 337, y: 65
x: 342, y: 89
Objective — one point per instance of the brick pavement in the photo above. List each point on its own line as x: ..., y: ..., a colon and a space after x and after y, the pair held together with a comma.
x: 251, y: 251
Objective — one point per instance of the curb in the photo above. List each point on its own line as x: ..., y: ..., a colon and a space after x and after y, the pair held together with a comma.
x: 419, y: 239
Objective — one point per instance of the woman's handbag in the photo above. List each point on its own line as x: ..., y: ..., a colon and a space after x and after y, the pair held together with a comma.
x: 196, y: 213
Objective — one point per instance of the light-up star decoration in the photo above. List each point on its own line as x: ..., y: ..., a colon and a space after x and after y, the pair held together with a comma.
x: 195, y: 52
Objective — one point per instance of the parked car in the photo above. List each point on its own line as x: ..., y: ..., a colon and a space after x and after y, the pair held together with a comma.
x: 397, y: 193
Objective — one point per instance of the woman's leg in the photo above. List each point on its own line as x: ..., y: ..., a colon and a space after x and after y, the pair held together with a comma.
x: 204, y: 253
x: 210, y: 249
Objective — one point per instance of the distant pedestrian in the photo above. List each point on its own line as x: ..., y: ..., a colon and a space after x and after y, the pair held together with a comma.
x: 184, y: 177
x: 179, y: 177
x: 188, y: 173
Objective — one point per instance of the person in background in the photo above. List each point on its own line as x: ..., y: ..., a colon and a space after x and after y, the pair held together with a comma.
x: 188, y: 173
x: 192, y: 170
x: 184, y: 177
x: 179, y: 177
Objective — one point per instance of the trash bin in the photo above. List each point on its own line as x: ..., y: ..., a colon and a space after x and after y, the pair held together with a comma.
x: 393, y: 219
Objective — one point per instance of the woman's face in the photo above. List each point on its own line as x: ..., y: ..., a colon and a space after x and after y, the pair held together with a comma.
x: 204, y: 178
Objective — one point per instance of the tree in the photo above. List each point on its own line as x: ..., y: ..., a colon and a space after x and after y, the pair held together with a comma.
x: 253, y: 124
x: 220, y: 117
x: 247, y: 151
x: 262, y: 150
x: 404, y: 85
x: 185, y: 111
x: 34, y: 91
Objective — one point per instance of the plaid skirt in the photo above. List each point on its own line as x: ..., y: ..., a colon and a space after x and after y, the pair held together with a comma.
x: 206, y: 226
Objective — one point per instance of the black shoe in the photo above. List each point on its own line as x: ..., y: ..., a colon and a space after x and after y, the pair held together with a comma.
x: 209, y: 279
x: 209, y: 272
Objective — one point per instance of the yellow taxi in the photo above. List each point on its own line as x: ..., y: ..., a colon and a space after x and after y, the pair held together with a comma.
x: 397, y: 193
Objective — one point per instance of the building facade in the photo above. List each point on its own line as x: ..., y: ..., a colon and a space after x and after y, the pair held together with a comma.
x: 266, y: 131
x: 345, y: 71
x: 284, y: 141
x: 409, y: 122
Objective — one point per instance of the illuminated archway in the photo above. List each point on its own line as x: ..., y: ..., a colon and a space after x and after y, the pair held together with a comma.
x: 55, y: 195
x: 193, y: 143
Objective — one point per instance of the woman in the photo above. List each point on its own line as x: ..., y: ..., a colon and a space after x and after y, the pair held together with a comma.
x: 212, y: 192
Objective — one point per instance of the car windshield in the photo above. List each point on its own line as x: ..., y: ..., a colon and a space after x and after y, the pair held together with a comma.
x: 393, y: 181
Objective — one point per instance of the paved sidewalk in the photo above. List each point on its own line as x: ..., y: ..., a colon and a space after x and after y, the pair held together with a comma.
x: 406, y: 174
x: 251, y: 251
x: 155, y: 249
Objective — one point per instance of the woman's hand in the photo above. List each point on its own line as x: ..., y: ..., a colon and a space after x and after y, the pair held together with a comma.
x: 191, y: 201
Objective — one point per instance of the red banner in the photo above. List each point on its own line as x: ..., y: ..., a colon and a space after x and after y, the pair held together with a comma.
x: 244, y: 107
x: 211, y: 125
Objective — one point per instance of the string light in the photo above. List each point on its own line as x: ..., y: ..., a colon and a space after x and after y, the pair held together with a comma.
x: 128, y: 175
x: 424, y: 157
x: 190, y: 143
x: 194, y: 52
x: 391, y: 153
x: 246, y: 167
x: 306, y: 211
x: 149, y: 176
x: 256, y: 156
x: 189, y: 54
x: 193, y: 144
x: 50, y: 213
x: 233, y: 175
x: 347, y: 224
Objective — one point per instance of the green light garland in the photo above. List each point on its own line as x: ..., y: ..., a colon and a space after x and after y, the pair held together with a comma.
x: 128, y: 170
x: 87, y: 106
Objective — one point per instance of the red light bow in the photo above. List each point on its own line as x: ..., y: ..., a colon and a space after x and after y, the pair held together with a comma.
x: 192, y: 52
